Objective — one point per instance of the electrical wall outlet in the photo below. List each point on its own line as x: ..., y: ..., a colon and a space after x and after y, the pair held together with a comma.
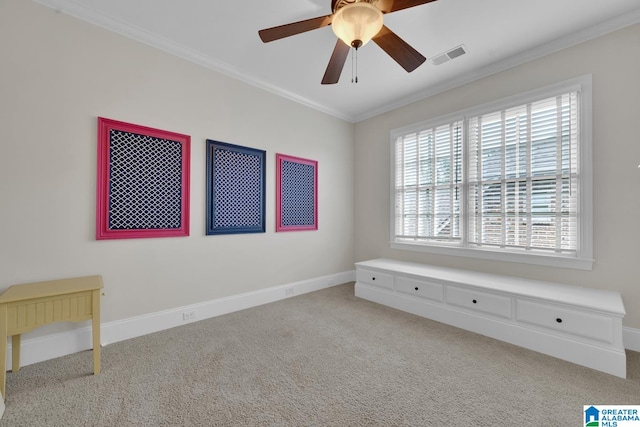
x: 189, y: 315
x: 288, y: 291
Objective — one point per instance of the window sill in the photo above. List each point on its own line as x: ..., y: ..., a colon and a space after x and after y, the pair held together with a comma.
x: 528, y: 258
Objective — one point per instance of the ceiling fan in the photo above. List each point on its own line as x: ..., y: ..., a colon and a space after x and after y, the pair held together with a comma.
x: 356, y: 22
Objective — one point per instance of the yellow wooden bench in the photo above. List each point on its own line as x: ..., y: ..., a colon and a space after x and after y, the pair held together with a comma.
x: 30, y: 305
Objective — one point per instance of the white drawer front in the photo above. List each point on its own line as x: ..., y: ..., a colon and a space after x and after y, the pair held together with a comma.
x: 375, y: 278
x: 432, y: 291
x: 588, y: 325
x: 497, y: 305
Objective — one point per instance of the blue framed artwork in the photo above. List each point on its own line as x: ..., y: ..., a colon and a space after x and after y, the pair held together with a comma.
x: 235, y: 189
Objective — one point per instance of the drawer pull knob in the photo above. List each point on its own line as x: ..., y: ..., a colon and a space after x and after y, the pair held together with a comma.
x: 416, y: 288
x: 559, y: 320
x: 475, y: 301
x: 373, y: 278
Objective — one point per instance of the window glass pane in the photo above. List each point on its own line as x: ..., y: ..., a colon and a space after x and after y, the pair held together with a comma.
x: 410, y: 204
x: 426, y: 153
x: 516, y: 218
x: 443, y: 213
x: 410, y: 161
x: 426, y: 209
x: 492, y: 214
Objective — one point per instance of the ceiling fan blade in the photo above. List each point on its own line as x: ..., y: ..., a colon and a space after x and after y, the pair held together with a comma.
x: 282, y: 31
x: 336, y: 63
x: 398, y: 49
x: 388, y: 6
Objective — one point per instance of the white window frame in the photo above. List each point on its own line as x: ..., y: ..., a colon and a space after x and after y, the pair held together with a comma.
x: 583, y: 259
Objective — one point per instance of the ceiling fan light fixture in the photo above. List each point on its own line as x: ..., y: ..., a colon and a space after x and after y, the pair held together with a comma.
x: 357, y: 23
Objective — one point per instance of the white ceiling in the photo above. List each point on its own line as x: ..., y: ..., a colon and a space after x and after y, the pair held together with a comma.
x: 223, y: 35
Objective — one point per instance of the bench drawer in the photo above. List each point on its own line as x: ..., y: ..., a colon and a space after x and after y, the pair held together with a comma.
x: 497, y: 305
x: 585, y: 324
x: 375, y: 278
x: 428, y: 290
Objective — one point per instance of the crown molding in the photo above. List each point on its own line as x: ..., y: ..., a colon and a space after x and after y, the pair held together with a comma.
x: 562, y: 43
x: 77, y: 10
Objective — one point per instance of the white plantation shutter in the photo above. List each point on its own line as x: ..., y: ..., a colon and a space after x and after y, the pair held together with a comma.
x: 523, y: 176
x: 429, y: 184
x: 504, y: 181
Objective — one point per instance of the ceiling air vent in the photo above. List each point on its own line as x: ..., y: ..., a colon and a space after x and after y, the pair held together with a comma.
x: 449, y: 55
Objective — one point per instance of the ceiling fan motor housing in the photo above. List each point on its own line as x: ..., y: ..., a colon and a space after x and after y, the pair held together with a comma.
x: 356, y: 22
x: 337, y: 4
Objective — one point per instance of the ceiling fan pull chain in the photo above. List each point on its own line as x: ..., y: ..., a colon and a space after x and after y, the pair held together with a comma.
x: 354, y: 54
x: 352, y: 66
x: 356, y: 65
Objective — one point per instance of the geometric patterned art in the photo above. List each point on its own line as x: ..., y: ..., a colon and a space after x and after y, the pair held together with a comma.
x: 297, y: 194
x: 143, y: 182
x: 235, y: 189
x: 145, y: 179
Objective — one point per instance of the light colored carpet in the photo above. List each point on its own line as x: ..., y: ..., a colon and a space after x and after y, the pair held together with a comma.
x: 320, y: 359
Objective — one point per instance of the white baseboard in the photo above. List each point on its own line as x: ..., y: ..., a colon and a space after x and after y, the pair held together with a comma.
x: 48, y: 347
x: 631, y: 338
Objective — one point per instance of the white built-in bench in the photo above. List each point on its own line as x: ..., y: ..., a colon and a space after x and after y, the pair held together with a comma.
x: 580, y: 325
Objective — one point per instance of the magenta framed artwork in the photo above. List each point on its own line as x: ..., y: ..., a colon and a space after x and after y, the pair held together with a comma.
x: 143, y: 182
x: 296, y: 193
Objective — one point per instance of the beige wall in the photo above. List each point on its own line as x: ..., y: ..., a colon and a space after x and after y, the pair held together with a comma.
x: 57, y: 74
x: 614, y: 62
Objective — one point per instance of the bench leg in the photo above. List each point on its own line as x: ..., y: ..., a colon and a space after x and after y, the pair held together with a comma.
x: 95, y: 324
x: 3, y: 349
x: 15, y: 353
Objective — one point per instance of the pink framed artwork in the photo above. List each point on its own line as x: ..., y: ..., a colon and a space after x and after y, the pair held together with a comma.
x: 296, y: 193
x: 143, y: 182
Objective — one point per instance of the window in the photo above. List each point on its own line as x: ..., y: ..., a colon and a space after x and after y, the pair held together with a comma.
x: 508, y: 180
